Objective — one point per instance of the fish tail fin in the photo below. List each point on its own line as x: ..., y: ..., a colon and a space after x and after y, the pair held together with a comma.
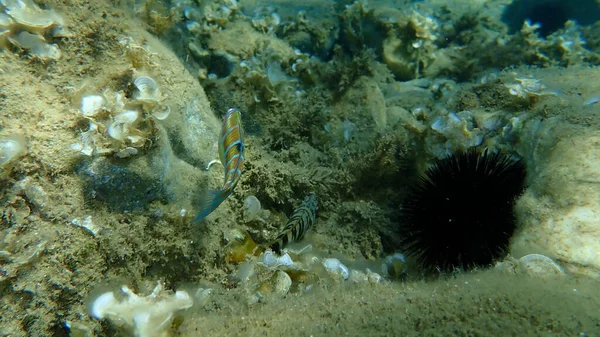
x: 211, y: 202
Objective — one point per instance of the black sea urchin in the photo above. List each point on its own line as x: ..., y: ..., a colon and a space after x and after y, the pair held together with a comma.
x: 459, y: 214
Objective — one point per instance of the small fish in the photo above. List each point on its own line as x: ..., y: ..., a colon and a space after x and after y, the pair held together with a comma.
x: 231, y: 153
x: 298, y: 224
x: 293, y: 231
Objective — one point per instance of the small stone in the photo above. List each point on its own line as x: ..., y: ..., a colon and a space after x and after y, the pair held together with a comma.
x: 336, y: 267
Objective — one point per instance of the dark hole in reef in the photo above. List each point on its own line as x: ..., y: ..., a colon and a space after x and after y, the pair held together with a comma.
x: 220, y: 65
x: 551, y: 15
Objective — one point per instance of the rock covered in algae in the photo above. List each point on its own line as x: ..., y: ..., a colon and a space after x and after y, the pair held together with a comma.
x: 561, y: 211
x: 177, y: 146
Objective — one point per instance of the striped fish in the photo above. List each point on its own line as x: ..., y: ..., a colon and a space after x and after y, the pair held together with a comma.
x: 231, y: 153
x: 298, y: 224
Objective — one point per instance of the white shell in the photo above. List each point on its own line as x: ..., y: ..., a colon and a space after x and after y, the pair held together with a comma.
x: 102, y: 304
x: 27, y: 13
x: 26, y: 40
x: 161, y: 112
x: 119, y: 104
x: 336, y: 267
x: 36, y: 44
x: 281, y: 282
x: 91, y: 105
x: 11, y: 148
x: 147, y: 90
x: 61, y: 31
x: 88, y: 144
x: 5, y: 20
x: 252, y: 208
x: 127, y: 117
x: 87, y: 224
x: 47, y: 51
x: 270, y: 259
x: 119, y: 128
x: 136, y: 141
x: 127, y: 152
x: 201, y: 296
x: 117, y: 131
x: 537, y: 264
x: 142, y: 315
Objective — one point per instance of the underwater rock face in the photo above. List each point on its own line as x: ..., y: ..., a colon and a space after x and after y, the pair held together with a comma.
x: 561, y: 213
x: 182, y: 142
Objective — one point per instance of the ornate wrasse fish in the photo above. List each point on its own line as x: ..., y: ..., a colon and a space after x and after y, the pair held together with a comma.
x: 231, y: 153
x: 298, y: 224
